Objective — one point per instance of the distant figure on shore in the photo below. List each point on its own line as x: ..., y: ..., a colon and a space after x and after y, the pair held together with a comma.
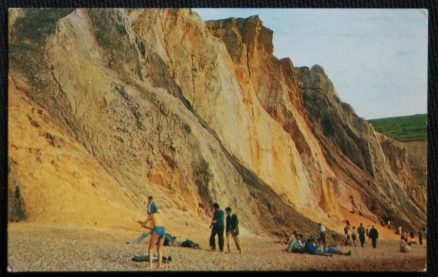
x: 158, y: 234
x: 412, y: 234
x: 217, y: 228
x: 389, y: 224
x: 322, y: 234
x: 354, y: 235
x: 420, y: 236
x: 361, y: 232
x: 347, y: 231
x: 399, y: 230
x: 232, y: 229
x: 404, y: 243
x: 374, y: 235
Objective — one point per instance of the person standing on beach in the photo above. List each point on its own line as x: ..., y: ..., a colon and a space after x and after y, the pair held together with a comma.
x: 374, y: 235
x: 217, y: 228
x: 420, y: 236
x: 346, y: 232
x: 361, y: 232
x: 157, y: 236
x: 232, y: 229
x: 322, y: 235
x: 412, y: 234
x: 354, y: 235
x: 150, y: 206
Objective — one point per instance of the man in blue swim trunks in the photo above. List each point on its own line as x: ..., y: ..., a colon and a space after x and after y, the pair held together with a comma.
x: 158, y: 233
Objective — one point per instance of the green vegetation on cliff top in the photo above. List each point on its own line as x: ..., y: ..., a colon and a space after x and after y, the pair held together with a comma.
x: 402, y: 128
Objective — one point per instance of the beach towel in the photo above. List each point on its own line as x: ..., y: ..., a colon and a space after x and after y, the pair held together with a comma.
x: 145, y: 258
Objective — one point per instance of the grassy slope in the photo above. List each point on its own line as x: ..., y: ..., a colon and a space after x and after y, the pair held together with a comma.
x: 403, y: 128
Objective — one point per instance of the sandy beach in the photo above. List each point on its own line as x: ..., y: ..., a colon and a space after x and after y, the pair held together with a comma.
x: 38, y: 247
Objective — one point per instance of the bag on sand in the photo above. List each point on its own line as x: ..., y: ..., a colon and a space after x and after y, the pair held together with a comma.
x: 145, y: 258
x: 190, y: 244
x: 169, y: 239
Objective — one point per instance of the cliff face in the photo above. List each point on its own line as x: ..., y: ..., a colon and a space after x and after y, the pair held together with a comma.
x: 149, y: 100
x: 391, y: 181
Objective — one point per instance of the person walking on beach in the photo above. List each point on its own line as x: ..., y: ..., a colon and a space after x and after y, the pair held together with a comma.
x: 354, y: 235
x: 346, y: 232
x: 374, y: 235
x: 412, y: 234
x: 361, y: 232
x: 232, y: 229
x: 157, y: 236
x: 217, y: 228
x: 322, y: 235
x: 420, y: 236
x: 367, y: 231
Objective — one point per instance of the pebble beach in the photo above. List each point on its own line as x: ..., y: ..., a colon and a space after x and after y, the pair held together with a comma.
x: 41, y: 247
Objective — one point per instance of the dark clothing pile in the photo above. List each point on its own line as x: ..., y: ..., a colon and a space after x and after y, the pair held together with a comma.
x: 190, y: 244
x: 169, y: 239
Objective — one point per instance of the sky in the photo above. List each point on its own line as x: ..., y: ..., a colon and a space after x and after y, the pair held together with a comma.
x: 376, y: 58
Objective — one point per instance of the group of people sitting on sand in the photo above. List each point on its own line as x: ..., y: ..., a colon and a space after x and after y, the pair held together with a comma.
x: 404, y: 232
x: 407, y: 240
x: 297, y: 244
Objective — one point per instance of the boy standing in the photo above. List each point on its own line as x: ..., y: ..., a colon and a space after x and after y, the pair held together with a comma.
x: 232, y: 229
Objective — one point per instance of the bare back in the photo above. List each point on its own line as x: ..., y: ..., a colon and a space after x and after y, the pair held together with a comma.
x: 156, y: 219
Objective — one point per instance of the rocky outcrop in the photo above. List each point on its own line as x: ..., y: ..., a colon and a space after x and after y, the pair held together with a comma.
x: 155, y: 100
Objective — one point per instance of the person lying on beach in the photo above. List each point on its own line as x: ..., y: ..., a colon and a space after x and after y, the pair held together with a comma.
x: 158, y: 234
x: 333, y: 250
x: 311, y: 249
